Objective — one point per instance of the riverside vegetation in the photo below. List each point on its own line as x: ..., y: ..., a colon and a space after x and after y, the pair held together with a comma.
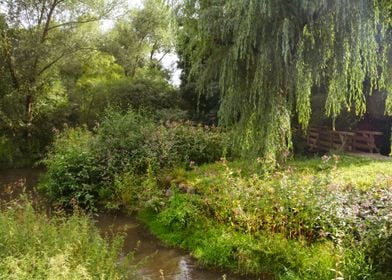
x: 258, y: 68
x: 35, y: 246
x: 321, y: 218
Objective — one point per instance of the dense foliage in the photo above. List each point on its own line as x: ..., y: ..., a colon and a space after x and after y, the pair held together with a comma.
x: 83, y: 165
x: 84, y: 85
x: 59, y: 65
x: 268, y: 57
x: 315, y: 219
x: 34, y: 246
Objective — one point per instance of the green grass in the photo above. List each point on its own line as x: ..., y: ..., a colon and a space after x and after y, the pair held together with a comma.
x: 33, y: 246
x: 313, y: 219
x: 217, y: 245
x: 348, y: 171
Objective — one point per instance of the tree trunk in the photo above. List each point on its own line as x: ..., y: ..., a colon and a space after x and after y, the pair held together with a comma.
x: 28, y: 114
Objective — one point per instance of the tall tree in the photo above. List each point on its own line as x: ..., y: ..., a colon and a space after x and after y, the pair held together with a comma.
x: 37, y: 36
x: 269, y: 56
x: 91, y: 88
x: 143, y: 37
x: 154, y: 27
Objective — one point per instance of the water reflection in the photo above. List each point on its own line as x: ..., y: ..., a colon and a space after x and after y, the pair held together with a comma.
x: 161, y: 263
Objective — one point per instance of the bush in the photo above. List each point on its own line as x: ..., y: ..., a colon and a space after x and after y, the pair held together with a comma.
x: 82, y: 165
x: 379, y: 249
x: 135, y: 192
x: 33, y: 246
x: 186, y: 144
x: 151, y: 93
x: 131, y: 141
x: 11, y: 154
x: 182, y: 212
x: 75, y: 172
x: 124, y: 152
x: 121, y: 138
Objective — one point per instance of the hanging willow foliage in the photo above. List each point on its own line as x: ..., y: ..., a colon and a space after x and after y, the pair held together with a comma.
x: 268, y: 56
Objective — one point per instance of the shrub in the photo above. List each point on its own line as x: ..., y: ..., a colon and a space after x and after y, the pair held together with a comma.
x: 150, y: 91
x: 75, y: 173
x: 6, y: 152
x: 379, y: 250
x: 82, y: 165
x: 121, y: 138
x: 184, y: 143
x: 123, y: 154
x: 182, y: 212
x: 135, y: 192
x: 12, y: 155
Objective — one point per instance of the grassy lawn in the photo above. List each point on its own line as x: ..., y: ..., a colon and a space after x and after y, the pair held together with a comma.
x: 319, y: 218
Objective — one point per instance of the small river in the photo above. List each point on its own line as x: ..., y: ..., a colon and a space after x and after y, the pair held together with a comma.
x: 159, y: 262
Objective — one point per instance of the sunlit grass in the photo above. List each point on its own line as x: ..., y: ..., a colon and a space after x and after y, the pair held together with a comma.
x: 343, y: 171
x: 314, y: 218
x: 34, y: 246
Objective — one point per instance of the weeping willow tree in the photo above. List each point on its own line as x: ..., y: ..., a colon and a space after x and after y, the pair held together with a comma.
x: 268, y: 56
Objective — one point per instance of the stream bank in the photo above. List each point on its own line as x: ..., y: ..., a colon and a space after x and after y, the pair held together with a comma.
x: 158, y: 261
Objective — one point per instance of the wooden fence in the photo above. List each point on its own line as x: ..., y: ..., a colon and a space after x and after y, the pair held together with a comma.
x: 323, y: 139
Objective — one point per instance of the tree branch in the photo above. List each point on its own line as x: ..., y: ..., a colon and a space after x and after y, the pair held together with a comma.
x: 9, y: 59
x: 163, y: 56
x: 41, y: 14
x: 48, y: 20
x: 92, y: 19
x: 44, y: 34
x: 58, y: 58
x: 73, y: 22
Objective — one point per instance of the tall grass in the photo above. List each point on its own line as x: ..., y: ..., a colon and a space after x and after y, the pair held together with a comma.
x: 34, y: 246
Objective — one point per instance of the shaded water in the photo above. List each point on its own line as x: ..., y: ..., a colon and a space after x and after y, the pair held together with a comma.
x: 159, y: 262
x: 14, y: 182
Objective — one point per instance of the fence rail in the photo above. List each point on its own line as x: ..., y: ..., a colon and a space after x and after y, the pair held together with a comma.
x: 323, y: 139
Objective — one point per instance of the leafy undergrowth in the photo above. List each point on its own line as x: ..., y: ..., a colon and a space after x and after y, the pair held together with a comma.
x: 92, y: 167
x: 326, y: 218
x: 32, y: 246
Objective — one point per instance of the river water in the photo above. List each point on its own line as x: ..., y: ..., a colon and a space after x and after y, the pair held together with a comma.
x: 158, y: 261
